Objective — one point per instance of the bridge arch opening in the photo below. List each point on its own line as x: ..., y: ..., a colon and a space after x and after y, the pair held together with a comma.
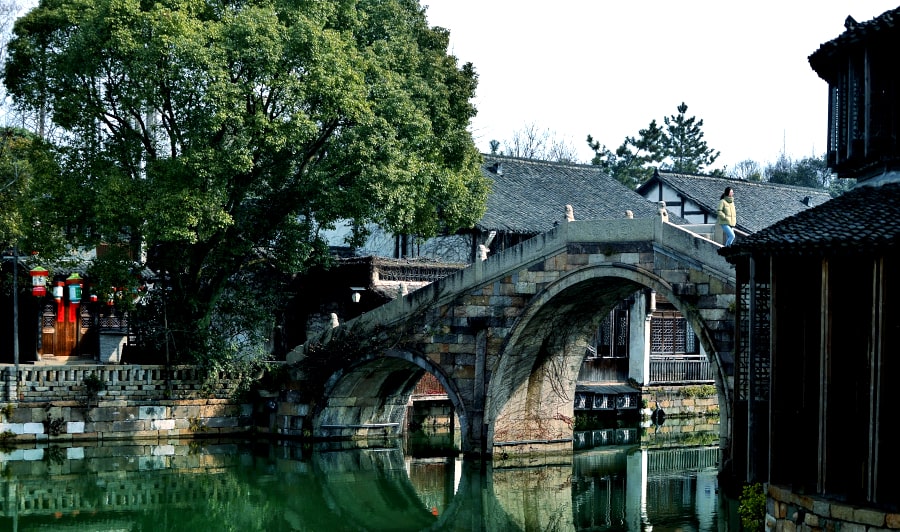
x: 532, y: 390
x: 370, y: 398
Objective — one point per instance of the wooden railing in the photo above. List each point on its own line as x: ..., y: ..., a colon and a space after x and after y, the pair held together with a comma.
x: 680, y: 369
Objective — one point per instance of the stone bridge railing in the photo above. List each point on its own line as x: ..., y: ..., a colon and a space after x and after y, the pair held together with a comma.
x: 43, y: 384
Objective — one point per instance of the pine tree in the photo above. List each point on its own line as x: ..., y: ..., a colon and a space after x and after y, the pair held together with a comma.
x: 678, y: 146
x: 684, y: 144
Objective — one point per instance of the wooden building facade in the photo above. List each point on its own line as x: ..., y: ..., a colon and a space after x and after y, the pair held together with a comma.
x: 817, y: 332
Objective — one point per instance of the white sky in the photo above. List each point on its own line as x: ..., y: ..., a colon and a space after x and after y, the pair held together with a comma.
x: 607, y: 68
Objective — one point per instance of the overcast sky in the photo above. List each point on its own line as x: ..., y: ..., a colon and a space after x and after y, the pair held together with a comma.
x: 607, y: 68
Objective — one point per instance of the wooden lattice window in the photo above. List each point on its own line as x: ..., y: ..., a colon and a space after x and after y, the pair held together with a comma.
x: 612, y: 336
x: 670, y: 335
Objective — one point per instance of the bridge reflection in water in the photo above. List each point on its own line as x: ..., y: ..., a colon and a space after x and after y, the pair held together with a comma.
x: 229, y: 485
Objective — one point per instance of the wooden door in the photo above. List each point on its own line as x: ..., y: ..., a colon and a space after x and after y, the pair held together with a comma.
x: 61, y: 331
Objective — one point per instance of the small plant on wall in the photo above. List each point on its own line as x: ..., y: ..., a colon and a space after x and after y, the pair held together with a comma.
x: 752, y: 507
x: 93, y: 385
x: 54, y: 426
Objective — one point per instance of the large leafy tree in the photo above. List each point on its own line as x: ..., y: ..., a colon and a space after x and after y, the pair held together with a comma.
x: 225, y: 134
x: 27, y: 168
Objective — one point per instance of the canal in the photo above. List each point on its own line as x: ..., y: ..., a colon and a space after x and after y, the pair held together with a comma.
x: 618, y: 479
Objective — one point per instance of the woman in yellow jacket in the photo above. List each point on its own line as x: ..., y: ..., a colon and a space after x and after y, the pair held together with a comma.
x: 727, y: 216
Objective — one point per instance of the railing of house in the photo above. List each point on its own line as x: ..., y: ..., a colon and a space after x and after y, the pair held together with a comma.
x: 683, y: 459
x: 116, y: 383
x: 680, y: 369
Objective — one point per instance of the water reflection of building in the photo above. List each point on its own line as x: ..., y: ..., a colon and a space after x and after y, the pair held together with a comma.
x: 435, y: 481
x: 288, y: 486
x: 631, y: 489
x: 644, y: 341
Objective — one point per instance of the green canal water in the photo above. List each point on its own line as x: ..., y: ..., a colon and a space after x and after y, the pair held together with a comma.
x: 417, y: 483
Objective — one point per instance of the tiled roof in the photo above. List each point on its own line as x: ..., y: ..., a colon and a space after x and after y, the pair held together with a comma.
x: 528, y: 196
x: 758, y: 204
x: 864, y: 219
x: 856, y: 33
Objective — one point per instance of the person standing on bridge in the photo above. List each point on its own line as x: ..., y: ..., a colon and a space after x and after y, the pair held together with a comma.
x: 727, y: 216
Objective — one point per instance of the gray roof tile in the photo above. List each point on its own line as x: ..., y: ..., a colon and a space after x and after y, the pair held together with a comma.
x: 528, y: 196
x: 862, y: 220
x: 758, y: 204
x: 856, y: 34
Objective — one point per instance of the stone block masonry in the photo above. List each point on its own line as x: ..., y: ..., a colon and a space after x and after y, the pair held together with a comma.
x: 27, y: 423
x: 57, y: 403
x: 786, y: 510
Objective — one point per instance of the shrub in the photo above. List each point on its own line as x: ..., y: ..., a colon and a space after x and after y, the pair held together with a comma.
x: 698, y: 392
x: 752, y: 508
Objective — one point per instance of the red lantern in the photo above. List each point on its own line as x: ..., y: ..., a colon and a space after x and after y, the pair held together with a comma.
x: 39, y: 281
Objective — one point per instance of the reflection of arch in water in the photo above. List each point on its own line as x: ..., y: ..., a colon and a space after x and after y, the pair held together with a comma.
x: 435, y: 480
x: 368, y: 489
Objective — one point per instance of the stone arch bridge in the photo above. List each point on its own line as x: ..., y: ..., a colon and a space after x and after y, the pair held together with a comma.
x: 506, y: 337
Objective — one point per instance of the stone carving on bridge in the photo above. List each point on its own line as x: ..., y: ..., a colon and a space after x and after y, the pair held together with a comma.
x: 663, y: 212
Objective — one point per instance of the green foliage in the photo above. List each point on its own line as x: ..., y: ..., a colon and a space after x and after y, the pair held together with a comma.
x: 93, y: 385
x: 684, y: 145
x: 697, y: 392
x: 228, y: 137
x: 27, y: 168
x: 807, y: 172
x: 677, y: 146
x: 7, y: 411
x: 196, y: 425
x: 54, y: 426
x: 115, y: 277
x: 838, y: 186
x: 752, y: 507
x: 7, y: 439
x: 243, y: 375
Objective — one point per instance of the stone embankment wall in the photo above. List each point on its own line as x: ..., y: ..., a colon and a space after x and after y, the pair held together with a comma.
x: 682, y: 401
x: 114, y: 402
x: 789, y: 511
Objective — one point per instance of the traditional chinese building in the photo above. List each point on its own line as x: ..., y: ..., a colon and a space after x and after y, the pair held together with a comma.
x: 817, y: 331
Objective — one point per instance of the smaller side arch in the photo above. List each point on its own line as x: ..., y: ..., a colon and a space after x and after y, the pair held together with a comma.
x: 369, y: 397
